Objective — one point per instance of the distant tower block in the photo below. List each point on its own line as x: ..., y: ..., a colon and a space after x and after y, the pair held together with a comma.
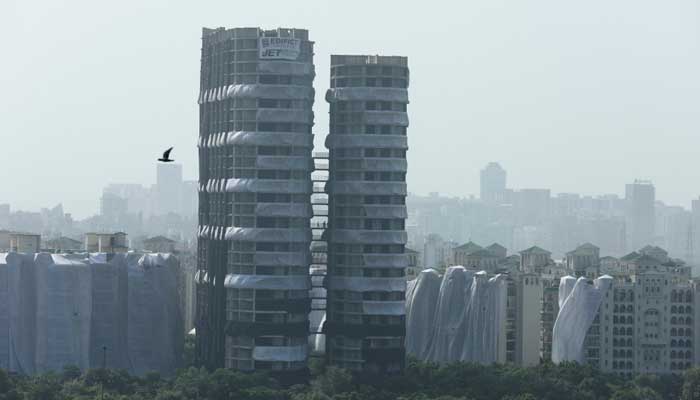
x: 493, y: 183
x: 365, y: 324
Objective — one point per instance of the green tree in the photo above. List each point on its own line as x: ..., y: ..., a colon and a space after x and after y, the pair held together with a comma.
x: 691, y: 385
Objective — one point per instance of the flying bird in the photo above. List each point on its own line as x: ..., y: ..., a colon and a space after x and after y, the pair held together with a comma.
x: 166, y: 156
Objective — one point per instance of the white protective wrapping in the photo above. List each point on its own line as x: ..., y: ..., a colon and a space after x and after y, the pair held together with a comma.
x: 22, y: 311
x: 268, y: 185
x: 421, y: 301
x: 366, y: 93
x: 63, y: 314
x: 280, y: 353
x: 4, y: 315
x: 270, y: 91
x: 485, y: 318
x: 448, y: 335
x: 268, y: 282
x: 109, y: 318
x: 461, y: 320
x: 576, y: 315
x: 154, y: 321
x: 269, y: 234
x: 270, y: 139
x: 566, y: 285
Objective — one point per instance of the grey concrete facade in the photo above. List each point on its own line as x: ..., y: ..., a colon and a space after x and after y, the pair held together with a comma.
x: 367, y: 142
x: 255, y: 145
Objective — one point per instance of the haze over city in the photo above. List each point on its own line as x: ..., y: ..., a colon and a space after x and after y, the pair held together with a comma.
x: 576, y: 97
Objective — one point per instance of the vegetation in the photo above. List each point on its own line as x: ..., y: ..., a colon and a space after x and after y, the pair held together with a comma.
x: 420, y: 381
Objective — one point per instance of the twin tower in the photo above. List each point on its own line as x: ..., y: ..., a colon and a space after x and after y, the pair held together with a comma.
x: 274, y: 216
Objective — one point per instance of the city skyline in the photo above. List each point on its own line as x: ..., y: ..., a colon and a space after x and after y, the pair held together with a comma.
x: 600, y: 99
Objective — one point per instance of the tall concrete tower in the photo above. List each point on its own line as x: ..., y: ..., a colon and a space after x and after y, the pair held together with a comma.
x: 493, y: 183
x: 255, y: 143
x: 365, y: 322
x: 639, y: 214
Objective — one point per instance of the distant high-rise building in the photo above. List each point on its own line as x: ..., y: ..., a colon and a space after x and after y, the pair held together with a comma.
x: 365, y: 322
x: 4, y: 215
x: 639, y: 215
x: 493, y: 183
x: 255, y: 142
x: 168, y: 189
x: 113, y: 207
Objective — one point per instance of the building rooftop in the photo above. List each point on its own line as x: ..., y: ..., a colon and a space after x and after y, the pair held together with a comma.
x: 535, y: 250
x: 159, y: 238
x: 469, y: 247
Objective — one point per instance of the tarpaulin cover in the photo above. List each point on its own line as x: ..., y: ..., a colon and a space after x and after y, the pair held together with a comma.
x: 421, y: 302
x: 270, y: 139
x: 465, y: 324
x: 64, y: 311
x: 4, y: 315
x: 110, y: 311
x: 269, y: 185
x: 155, y: 331
x: 269, y: 234
x: 367, y: 93
x: 270, y: 91
x: 22, y: 287
x: 67, y: 310
x: 576, y: 315
x: 268, y: 282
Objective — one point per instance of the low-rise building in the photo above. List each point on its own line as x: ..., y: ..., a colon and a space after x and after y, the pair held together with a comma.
x: 106, y: 242
x: 25, y: 242
x: 642, y: 319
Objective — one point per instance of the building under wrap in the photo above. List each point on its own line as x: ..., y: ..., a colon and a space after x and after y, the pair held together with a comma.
x: 255, y: 164
x: 367, y: 142
x: 119, y: 311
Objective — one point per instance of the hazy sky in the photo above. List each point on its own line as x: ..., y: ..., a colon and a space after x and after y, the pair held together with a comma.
x: 576, y: 96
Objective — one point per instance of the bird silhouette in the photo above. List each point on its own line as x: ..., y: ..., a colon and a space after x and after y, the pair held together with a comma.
x: 166, y: 156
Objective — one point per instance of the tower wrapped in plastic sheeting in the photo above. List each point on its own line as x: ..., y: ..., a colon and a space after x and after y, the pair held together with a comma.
x: 4, y: 315
x: 448, y: 337
x: 461, y: 318
x: 154, y: 320
x: 108, y: 344
x: 115, y: 310
x: 421, y: 301
x: 64, y: 311
x: 22, y: 312
x: 577, y: 312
